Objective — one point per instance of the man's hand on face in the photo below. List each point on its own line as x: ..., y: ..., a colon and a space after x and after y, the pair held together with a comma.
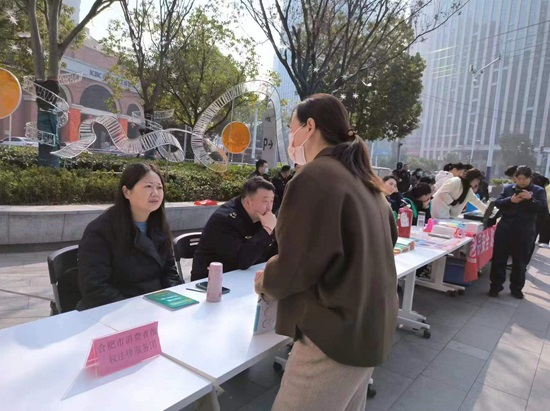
x: 268, y: 220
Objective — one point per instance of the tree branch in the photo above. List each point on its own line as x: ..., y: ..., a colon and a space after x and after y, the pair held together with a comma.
x: 97, y: 7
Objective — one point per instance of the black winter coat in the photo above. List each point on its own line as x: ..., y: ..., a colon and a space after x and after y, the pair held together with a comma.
x: 107, y: 274
x: 233, y: 239
x: 524, y: 214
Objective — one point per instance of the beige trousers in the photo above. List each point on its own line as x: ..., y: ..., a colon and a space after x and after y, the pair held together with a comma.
x: 313, y: 381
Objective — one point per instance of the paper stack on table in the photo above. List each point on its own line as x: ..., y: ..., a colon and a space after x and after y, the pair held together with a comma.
x: 470, y: 227
x: 403, y: 245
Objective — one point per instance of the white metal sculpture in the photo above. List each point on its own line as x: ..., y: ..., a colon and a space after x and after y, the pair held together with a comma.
x: 212, y: 156
x: 58, y: 106
x: 153, y: 140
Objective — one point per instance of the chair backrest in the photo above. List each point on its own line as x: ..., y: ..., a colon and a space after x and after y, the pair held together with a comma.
x: 186, y: 244
x: 184, y: 247
x: 63, y: 268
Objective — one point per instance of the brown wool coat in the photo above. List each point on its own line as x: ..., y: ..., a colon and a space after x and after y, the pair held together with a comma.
x: 335, y: 275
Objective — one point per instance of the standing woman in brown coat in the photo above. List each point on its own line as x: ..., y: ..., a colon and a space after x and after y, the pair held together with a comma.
x: 334, y: 276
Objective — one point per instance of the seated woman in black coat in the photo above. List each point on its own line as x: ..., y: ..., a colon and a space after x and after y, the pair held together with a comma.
x: 127, y: 251
x: 419, y: 197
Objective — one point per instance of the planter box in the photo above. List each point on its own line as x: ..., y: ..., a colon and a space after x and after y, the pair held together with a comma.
x: 59, y: 224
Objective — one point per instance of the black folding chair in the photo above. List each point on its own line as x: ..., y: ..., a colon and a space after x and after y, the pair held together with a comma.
x: 184, y: 247
x: 63, y: 268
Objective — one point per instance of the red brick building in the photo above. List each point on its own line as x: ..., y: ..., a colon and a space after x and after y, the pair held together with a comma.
x: 86, y: 98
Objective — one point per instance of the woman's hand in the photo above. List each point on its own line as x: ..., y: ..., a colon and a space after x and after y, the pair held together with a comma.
x: 259, y: 286
x: 259, y: 282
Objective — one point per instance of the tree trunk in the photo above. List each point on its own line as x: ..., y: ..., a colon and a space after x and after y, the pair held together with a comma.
x: 47, y: 118
x: 149, y: 114
x: 36, y: 42
x: 54, y: 56
x: 48, y: 122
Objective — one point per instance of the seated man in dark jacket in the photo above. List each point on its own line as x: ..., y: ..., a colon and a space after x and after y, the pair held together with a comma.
x: 240, y: 233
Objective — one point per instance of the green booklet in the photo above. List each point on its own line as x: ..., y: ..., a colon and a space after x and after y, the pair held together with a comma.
x: 170, y: 299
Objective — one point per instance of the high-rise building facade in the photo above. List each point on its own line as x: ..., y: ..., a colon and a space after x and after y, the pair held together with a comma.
x: 459, y: 108
x: 75, y: 4
x: 286, y: 90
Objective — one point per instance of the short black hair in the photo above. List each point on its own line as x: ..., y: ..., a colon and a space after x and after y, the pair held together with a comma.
x: 421, y: 189
x: 468, y: 167
x: 260, y: 163
x: 543, y: 181
x: 427, y: 180
x: 459, y: 166
x: 389, y: 178
x: 448, y: 167
x: 523, y: 171
x: 510, y: 171
x: 252, y: 185
x: 285, y: 168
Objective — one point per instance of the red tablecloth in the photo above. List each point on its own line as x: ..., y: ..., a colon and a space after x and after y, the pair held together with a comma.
x: 480, y: 253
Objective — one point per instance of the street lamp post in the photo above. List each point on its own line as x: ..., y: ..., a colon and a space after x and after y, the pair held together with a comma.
x: 474, y: 141
x: 399, y: 145
x: 492, y: 136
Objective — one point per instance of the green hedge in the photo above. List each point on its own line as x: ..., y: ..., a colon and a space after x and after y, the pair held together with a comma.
x: 93, y: 179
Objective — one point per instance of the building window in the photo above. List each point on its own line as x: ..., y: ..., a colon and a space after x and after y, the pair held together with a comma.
x: 97, y: 97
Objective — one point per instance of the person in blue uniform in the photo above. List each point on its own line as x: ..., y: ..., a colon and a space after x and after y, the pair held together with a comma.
x: 240, y: 233
x: 520, y: 203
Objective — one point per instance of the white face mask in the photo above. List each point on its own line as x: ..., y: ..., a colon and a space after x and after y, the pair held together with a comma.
x: 266, y: 170
x: 297, y: 154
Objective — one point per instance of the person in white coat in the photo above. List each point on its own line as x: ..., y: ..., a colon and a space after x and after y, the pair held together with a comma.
x: 449, y: 171
x: 449, y: 201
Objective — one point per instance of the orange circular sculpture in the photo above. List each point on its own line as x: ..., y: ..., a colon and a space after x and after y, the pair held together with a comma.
x: 10, y: 93
x: 236, y: 137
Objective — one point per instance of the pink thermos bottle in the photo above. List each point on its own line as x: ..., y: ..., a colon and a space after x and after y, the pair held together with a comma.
x: 214, y: 289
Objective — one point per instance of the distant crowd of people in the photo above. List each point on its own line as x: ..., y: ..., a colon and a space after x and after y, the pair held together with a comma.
x: 523, y: 210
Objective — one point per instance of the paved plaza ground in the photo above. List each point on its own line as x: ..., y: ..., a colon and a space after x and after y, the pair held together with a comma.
x: 485, y: 354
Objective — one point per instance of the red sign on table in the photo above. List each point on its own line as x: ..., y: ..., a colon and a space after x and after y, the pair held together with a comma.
x: 124, y: 349
x: 480, y: 253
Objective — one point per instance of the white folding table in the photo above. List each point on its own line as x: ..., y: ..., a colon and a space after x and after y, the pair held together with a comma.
x: 43, y: 369
x: 435, y: 282
x: 215, y: 340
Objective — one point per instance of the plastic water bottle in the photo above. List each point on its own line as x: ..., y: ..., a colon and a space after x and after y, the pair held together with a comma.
x: 421, y: 220
x: 214, y: 289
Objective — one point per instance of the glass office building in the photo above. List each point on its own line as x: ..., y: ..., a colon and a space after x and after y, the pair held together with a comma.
x: 458, y: 109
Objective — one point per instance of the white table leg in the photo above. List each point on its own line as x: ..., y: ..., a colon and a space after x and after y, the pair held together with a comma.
x: 436, y: 278
x: 406, y: 316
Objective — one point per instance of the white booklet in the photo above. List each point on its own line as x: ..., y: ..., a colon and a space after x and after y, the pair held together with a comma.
x: 266, y: 315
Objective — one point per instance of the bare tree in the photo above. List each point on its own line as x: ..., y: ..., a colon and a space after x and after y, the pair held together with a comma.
x: 151, y: 35
x: 326, y: 44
